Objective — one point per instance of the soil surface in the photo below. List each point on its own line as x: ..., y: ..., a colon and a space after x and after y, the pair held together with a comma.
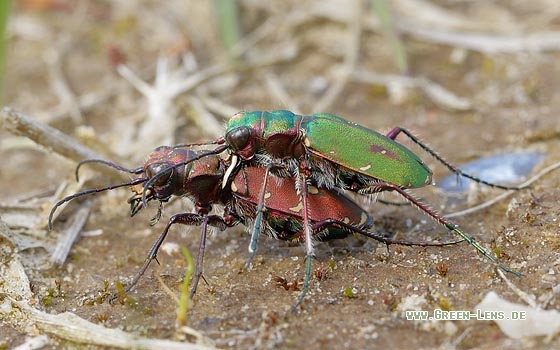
x: 63, y: 71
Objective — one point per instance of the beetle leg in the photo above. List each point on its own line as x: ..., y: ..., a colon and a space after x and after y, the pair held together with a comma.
x: 448, y: 224
x: 397, y: 130
x: 199, y: 258
x: 258, y: 219
x: 329, y: 223
x: 307, y: 229
x: 185, y: 219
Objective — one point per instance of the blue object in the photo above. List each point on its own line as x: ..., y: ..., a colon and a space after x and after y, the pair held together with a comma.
x: 501, y: 169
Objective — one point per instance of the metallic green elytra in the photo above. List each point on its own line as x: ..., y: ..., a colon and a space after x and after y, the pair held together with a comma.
x: 359, y: 150
x: 365, y: 151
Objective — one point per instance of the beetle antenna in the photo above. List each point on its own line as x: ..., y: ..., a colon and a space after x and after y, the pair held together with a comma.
x: 138, y: 170
x: 219, y: 141
x: 90, y: 191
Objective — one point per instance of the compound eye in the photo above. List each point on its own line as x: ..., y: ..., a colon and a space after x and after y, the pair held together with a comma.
x: 238, y: 138
x: 157, y: 169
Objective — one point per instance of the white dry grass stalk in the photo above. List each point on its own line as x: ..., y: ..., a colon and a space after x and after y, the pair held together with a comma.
x: 351, y: 55
x: 73, y: 328
x: 160, y: 123
x: 71, y: 233
x: 437, y: 93
x: 429, y: 22
x: 16, y: 311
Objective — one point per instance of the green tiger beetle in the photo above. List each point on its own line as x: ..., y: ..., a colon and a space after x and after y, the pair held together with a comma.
x: 330, y: 152
x: 331, y: 214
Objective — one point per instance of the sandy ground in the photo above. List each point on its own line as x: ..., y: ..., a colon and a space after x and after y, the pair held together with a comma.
x: 499, y: 98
